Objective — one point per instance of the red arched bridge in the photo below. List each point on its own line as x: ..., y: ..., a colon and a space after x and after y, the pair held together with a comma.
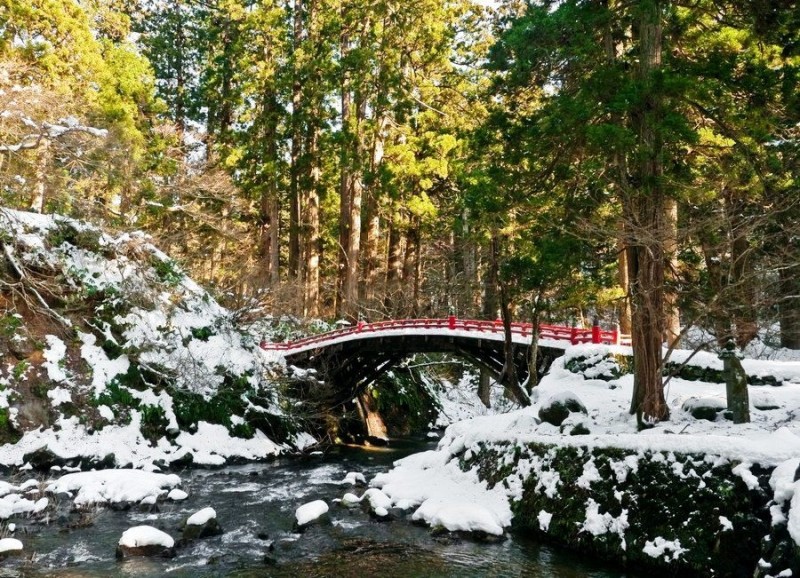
x: 355, y: 356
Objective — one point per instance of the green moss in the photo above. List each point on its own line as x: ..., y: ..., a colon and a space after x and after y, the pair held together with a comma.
x: 167, y: 271
x: 9, y: 324
x: 20, y: 369
x: 154, y: 422
x: 678, y: 497
x: 7, y: 432
x: 116, y: 394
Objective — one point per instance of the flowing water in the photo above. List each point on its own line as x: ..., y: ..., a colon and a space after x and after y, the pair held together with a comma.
x: 255, y: 506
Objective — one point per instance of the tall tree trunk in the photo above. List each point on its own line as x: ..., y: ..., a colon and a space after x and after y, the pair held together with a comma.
x: 490, y: 282
x: 742, y: 271
x: 312, y: 240
x: 371, y: 233
x: 411, y: 267
x: 645, y: 210
x: 469, y: 265
x: 394, y: 266
x: 296, y: 153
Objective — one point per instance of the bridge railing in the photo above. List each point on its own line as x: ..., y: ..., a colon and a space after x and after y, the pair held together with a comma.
x: 573, y: 335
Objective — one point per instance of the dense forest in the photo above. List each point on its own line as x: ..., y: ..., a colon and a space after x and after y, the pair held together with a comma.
x: 635, y: 162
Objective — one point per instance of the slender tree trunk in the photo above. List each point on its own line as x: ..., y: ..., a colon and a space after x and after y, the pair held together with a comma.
x: 371, y: 233
x: 394, y: 267
x: 645, y: 211
x: 295, y: 170
x: 312, y: 240
x: 468, y: 262
x: 742, y: 272
x: 490, y: 283
x: 411, y: 267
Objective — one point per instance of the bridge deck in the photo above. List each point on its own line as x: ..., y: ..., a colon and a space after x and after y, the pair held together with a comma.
x: 555, y: 336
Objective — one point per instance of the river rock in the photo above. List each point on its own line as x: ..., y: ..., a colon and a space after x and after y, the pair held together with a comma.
x: 10, y: 547
x: 558, y: 407
x: 145, y: 541
x: 306, y: 514
x: 202, y: 524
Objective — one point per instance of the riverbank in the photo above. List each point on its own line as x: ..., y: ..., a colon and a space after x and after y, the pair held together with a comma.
x: 692, y: 496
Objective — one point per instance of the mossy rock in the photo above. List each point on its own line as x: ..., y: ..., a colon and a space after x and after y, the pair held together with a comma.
x: 707, y: 408
x: 558, y: 408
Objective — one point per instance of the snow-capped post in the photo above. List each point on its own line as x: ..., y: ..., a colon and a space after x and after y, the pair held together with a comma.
x: 360, y: 324
x: 451, y: 318
x: 615, y: 334
x: 596, y: 335
x: 735, y: 384
x: 573, y: 335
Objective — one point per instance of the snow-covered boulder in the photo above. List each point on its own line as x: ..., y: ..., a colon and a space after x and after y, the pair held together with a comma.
x: 308, y: 513
x: 379, y: 503
x: 355, y: 479
x: 349, y: 500
x: 707, y: 408
x: 145, y: 541
x: 202, y: 524
x: 558, y: 407
x: 10, y: 547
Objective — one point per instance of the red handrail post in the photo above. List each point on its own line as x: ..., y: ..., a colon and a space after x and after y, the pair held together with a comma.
x: 573, y: 335
x: 451, y: 318
x: 360, y: 324
x: 596, y: 337
x: 615, y: 334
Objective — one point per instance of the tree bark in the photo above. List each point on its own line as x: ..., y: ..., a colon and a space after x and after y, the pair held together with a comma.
x: 645, y: 211
x: 672, y: 321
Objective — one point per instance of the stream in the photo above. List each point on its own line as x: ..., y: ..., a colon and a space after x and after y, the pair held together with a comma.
x: 255, y: 506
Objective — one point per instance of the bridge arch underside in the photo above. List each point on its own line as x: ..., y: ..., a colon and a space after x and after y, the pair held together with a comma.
x: 352, y: 365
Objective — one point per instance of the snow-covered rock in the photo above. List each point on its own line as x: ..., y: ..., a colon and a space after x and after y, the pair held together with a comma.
x: 10, y: 547
x: 145, y: 541
x: 202, y: 524
x: 308, y: 513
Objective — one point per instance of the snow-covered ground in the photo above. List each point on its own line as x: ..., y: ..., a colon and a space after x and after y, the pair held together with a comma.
x: 433, y: 484
x: 143, y: 331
